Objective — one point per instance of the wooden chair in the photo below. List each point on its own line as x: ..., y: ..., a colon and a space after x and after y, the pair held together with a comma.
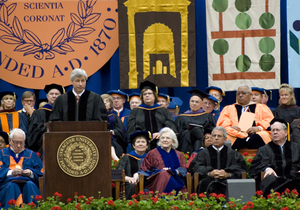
x: 118, y: 176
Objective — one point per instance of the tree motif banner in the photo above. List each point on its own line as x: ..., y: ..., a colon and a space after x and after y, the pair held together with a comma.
x: 243, y: 43
x: 293, y: 34
x: 157, y: 43
x: 43, y: 41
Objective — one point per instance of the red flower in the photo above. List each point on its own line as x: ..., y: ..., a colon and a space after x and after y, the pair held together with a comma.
x: 32, y: 204
x: 77, y: 206
x: 134, y: 196
x: 11, y: 202
x: 130, y: 203
x: 191, y: 203
x: 56, y: 208
x: 259, y: 192
x: 245, y: 154
x: 111, y: 203
x: 154, y: 199
x: 88, y: 202
x: 231, y: 204
x: 250, y: 204
x: 175, y: 207
x: 285, y: 208
x: 295, y: 192
x: 113, y: 185
x: 202, y: 195
x: 69, y: 200
x: 38, y: 197
x: 193, y: 194
x: 57, y: 194
x: 141, y: 193
x: 213, y: 194
x: 250, y: 160
x: 220, y: 196
x: 81, y: 196
x: 90, y: 199
x: 76, y: 193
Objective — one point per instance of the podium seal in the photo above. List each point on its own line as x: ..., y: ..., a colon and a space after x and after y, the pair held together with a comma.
x: 77, y: 156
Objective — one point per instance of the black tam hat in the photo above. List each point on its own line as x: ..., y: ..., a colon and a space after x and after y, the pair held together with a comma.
x: 199, y: 93
x: 148, y: 85
x: 54, y: 86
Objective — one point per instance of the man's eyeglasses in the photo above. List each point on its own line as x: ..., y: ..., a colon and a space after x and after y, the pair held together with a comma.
x: 18, y: 142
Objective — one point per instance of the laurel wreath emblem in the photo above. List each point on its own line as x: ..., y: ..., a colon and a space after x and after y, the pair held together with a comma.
x: 86, y: 150
x: 30, y: 44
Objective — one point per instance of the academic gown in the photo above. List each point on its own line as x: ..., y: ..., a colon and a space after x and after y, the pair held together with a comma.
x: 91, y: 107
x: 231, y: 114
x: 10, y: 119
x: 22, y: 193
x: 207, y: 160
x: 130, y: 163
x: 150, y: 118
x: 123, y: 115
x: 119, y: 139
x: 164, y: 181
x: 288, y: 113
x: 37, y: 128
x: 285, y: 165
x: 191, y: 139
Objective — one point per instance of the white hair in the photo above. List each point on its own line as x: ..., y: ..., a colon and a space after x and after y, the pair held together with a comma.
x: 173, y: 135
x: 244, y: 85
x: 78, y: 73
x: 16, y: 130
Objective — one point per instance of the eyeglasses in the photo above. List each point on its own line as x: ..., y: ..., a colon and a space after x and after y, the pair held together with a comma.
x: 28, y: 101
x: 18, y: 142
x: 117, y: 98
x: 2, y: 142
x: 144, y: 94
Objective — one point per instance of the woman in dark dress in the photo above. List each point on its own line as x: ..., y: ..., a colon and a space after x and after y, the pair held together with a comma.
x: 131, y: 162
x: 150, y: 116
x: 287, y: 109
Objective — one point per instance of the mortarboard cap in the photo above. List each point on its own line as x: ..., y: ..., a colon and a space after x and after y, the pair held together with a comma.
x: 199, y: 93
x: 148, y: 85
x: 4, y: 93
x: 257, y: 89
x: 175, y: 103
x: 134, y: 94
x: 208, y: 89
x: 164, y: 96
x: 138, y: 133
x: 118, y: 92
x: 60, y: 88
x: 210, y: 97
x: 5, y: 136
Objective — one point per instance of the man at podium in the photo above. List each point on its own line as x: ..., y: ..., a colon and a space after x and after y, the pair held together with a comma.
x: 79, y: 104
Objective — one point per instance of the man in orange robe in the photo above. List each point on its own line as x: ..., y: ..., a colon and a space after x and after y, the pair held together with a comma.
x: 255, y: 136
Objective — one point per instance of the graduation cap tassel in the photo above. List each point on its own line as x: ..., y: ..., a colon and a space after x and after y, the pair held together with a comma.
x: 288, y: 127
x: 177, y: 110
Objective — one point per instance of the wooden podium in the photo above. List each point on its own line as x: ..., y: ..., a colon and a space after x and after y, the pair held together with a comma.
x: 77, y: 158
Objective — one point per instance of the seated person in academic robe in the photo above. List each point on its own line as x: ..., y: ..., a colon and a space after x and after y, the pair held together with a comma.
x: 164, y: 166
x: 116, y: 127
x: 163, y: 100
x: 28, y: 101
x: 20, y: 170
x: 131, y: 162
x: 192, y: 124
x: 174, y: 106
x: 279, y: 160
x: 255, y: 136
x: 134, y: 100
x: 79, y: 104
x: 39, y: 117
x: 206, y: 141
x: 287, y: 109
x: 119, y: 99
x: 218, y: 93
x: 150, y: 116
x: 217, y: 163
x: 9, y: 117
x: 3, y: 140
x: 209, y: 105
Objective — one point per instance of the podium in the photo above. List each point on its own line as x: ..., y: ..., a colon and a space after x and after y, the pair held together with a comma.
x: 77, y: 158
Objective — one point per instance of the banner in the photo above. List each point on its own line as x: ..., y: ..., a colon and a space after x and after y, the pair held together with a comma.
x: 43, y: 41
x: 293, y: 36
x: 243, y: 43
x: 157, y: 43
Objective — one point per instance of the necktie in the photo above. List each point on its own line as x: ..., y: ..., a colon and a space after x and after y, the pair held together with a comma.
x: 77, y: 98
